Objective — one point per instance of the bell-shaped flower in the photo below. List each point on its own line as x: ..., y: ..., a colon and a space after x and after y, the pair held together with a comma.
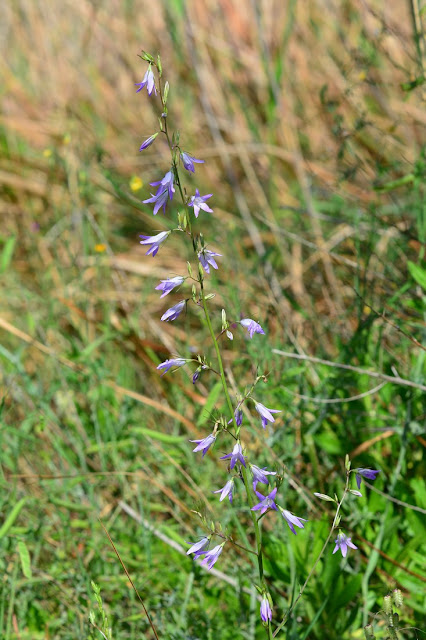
x: 199, y: 202
x: 265, y: 413
x: 148, y: 81
x: 227, y: 490
x: 266, y: 503
x: 204, y: 444
x: 164, y: 192
x: 211, y: 556
x: 260, y: 475
x: 292, y: 520
x: 168, y: 285
x: 173, y: 312
x: 206, y: 258
x: 251, y: 326
x: 173, y: 362
x: 265, y: 610
x: 198, y: 548
x: 342, y: 543
x: 188, y: 161
x: 370, y: 474
x: 235, y: 456
x: 154, y: 241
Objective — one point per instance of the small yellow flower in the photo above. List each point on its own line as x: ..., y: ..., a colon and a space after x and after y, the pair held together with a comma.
x: 135, y: 183
x: 47, y: 153
x: 362, y: 76
x: 100, y: 248
x: 66, y: 139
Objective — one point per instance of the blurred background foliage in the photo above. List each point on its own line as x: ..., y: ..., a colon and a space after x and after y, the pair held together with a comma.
x: 310, y: 116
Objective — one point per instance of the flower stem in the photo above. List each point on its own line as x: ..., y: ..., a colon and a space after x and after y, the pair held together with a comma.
x: 333, y: 526
x: 246, y: 481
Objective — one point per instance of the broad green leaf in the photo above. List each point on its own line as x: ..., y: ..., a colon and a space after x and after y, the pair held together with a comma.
x: 211, y: 401
x: 24, y: 555
x: 12, y: 517
x: 417, y: 273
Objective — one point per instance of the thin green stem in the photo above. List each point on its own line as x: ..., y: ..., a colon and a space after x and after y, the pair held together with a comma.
x: 222, y: 375
x: 335, y: 521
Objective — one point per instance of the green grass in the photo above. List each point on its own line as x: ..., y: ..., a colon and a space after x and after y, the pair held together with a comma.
x: 89, y: 431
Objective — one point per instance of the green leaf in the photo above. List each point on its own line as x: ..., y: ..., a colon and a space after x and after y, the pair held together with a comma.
x: 329, y: 442
x: 211, y: 401
x: 11, y: 517
x: 7, y: 254
x: 158, y: 435
x: 24, y: 554
x: 417, y: 273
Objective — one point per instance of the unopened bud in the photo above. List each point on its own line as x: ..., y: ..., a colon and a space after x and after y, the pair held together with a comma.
x: 159, y: 66
x: 189, y: 269
x: 387, y: 605
x: 369, y: 633
x: 397, y: 597
x: 196, y: 375
x: 166, y: 93
x: 146, y: 56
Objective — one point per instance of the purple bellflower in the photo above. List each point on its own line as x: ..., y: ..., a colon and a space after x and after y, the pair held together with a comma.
x: 265, y: 413
x: 164, y: 192
x: 238, y: 414
x: 173, y: 362
x: 148, y: 81
x: 206, y: 258
x: 154, y: 241
x: 342, y: 543
x: 198, y: 547
x: 173, y: 312
x: 251, y: 326
x: 235, y: 456
x: 204, y: 444
x: 292, y: 520
x: 168, y: 285
x: 266, y: 503
x: 199, y: 202
x: 238, y: 417
x: 211, y: 556
x: 370, y: 474
x: 188, y: 161
x: 227, y: 490
x: 148, y: 142
x: 260, y: 475
x: 265, y: 610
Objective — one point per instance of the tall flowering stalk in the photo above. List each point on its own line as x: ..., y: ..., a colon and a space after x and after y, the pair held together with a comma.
x: 241, y: 467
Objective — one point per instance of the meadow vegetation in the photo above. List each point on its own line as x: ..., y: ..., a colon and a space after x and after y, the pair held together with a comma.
x: 310, y: 117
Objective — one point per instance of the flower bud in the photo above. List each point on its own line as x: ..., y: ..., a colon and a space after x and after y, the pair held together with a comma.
x: 146, y: 56
x: 159, y: 65
x: 166, y: 93
x: 323, y: 496
x: 397, y: 597
x: 369, y: 633
x: 387, y: 605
